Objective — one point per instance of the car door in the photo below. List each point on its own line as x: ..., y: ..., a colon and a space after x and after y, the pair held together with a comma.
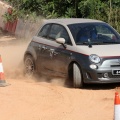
x: 59, y: 55
x: 46, y: 46
x: 52, y: 56
x: 48, y: 55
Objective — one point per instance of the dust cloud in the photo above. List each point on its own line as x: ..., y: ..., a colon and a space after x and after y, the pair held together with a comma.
x: 12, y: 52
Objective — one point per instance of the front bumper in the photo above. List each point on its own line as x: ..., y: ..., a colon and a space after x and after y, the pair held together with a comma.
x: 100, y: 76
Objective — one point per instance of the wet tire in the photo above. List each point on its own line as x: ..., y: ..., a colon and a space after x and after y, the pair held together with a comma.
x: 29, y: 66
x: 77, y: 76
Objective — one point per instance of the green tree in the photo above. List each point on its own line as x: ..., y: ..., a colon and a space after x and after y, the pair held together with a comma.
x: 106, y: 10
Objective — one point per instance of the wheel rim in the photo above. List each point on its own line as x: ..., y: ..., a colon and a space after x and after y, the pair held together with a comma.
x: 29, y: 67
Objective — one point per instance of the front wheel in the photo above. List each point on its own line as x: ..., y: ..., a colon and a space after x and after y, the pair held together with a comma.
x: 29, y: 66
x: 77, y: 76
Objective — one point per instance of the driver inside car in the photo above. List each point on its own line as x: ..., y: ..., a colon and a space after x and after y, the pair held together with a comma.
x: 88, y: 34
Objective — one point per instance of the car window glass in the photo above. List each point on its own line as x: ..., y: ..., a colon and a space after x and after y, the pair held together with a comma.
x: 93, y: 32
x: 75, y: 28
x: 58, y: 31
x: 54, y: 32
x: 87, y: 33
x: 44, y: 31
x: 103, y: 29
x: 105, y: 32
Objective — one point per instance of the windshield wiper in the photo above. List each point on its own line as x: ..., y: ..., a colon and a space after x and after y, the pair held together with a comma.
x: 111, y: 42
x: 82, y: 43
x: 97, y: 43
x: 89, y: 43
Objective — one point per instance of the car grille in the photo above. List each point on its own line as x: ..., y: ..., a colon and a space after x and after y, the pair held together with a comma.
x: 115, y: 65
x: 101, y: 75
x: 111, y: 63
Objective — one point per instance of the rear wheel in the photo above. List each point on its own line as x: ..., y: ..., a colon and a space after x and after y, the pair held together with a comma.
x: 29, y: 66
x: 77, y: 76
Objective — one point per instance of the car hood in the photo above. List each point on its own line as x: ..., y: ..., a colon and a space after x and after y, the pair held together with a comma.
x: 100, y: 50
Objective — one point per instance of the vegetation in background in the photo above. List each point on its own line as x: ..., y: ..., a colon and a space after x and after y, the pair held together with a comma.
x: 11, y: 15
x: 106, y: 10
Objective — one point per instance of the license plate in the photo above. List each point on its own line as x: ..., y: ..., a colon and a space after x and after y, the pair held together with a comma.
x: 116, y: 72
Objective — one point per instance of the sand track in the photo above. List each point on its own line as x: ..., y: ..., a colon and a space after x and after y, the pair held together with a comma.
x: 30, y: 99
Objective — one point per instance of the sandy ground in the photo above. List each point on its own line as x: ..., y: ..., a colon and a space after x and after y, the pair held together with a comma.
x: 31, y: 99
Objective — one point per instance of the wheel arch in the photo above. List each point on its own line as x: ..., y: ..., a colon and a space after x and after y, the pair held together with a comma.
x: 32, y: 53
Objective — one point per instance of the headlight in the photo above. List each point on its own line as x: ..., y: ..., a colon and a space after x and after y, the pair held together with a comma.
x: 94, y: 58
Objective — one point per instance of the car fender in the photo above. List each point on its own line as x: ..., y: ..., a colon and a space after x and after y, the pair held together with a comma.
x: 30, y: 51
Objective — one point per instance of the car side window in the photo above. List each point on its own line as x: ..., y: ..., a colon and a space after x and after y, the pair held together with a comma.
x: 44, y: 31
x: 58, y: 31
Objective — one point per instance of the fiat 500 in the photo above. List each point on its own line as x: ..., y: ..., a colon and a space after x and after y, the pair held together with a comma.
x: 82, y: 50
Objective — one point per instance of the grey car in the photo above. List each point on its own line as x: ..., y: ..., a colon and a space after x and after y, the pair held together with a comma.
x: 81, y: 50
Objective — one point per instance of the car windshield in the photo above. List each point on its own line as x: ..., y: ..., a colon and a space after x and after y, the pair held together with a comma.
x: 94, y: 34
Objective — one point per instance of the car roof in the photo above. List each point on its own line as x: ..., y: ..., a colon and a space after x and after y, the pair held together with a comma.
x: 68, y: 21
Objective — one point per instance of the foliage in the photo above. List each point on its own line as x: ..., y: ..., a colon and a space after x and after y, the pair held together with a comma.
x: 106, y: 10
x: 93, y: 9
x: 10, y: 17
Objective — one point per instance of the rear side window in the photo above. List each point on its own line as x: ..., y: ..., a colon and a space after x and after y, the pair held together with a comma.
x: 44, y: 31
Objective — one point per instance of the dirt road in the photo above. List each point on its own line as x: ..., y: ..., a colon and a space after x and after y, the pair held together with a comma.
x: 31, y: 99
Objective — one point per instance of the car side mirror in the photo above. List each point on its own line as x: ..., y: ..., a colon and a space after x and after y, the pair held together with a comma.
x: 61, y: 41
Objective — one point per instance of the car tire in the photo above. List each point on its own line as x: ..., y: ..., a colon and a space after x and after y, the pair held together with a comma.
x: 77, y: 76
x: 29, y: 66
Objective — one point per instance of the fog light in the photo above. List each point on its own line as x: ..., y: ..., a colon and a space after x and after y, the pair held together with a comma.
x: 93, y: 66
x: 106, y: 75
